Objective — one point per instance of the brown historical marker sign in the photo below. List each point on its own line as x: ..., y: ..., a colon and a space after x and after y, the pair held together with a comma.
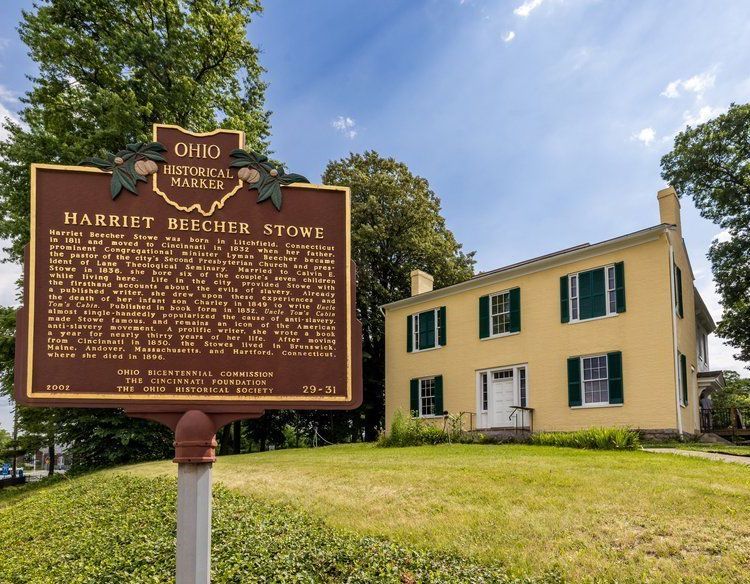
x: 187, y: 274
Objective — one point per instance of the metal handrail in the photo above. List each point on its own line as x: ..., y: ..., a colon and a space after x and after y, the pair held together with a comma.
x: 724, y: 419
x: 514, y: 414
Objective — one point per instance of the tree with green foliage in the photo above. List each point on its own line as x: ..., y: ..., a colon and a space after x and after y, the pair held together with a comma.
x: 711, y: 164
x: 5, y: 441
x: 734, y: 394
x: 106, y: 72
x: 396, y: 228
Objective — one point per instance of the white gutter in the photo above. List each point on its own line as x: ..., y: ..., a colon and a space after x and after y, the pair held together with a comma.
x: 674, y: 335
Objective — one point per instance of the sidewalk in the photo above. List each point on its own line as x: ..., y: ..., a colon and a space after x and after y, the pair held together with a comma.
x: 698, y: 454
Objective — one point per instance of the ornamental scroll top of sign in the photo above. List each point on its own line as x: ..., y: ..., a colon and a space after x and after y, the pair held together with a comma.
x: 187, y: 273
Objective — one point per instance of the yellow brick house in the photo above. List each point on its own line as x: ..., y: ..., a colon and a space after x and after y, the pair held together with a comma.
x: 611, y: 333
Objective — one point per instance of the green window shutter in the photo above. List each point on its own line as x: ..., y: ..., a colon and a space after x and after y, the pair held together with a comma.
x: 409, y: 333
x: 414, y: 397
x: 592, y: 294
x: 564, y: 302
x: 678, y: 286
x: 620, y: 286
x: 585, y: 291
x: 484, y: 317
x: 427, y: 330
x: 598, y: 293
x: 614, y: 367
x: 683, y: 371
x: 439, y: 395
x: 442, y: 329
x: 515, y: 310
x: 574, y: 381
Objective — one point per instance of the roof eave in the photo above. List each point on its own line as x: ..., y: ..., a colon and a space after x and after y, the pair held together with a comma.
x: 535, y: 265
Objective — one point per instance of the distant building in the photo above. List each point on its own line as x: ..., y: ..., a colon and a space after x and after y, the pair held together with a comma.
x: 39, y: 460
x: 612, y: 333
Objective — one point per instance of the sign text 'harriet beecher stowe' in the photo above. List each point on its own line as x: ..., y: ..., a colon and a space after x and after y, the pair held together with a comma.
x: 183, y: 273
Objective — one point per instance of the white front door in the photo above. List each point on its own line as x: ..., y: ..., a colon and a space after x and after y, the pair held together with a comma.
x: 503, y: 398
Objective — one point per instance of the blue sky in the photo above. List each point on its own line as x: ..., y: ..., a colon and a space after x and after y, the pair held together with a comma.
x: 539, y: 123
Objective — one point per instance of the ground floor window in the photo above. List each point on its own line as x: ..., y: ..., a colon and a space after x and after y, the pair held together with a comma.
x: 427, y: 396
x: 484, y: 392
x: 595, y: 380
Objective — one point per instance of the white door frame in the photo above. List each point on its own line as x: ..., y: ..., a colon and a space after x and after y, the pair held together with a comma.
x: 484, y: 417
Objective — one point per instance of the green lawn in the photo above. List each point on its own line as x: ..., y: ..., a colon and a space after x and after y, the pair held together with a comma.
x: 108, y: 528
x: 630, y: 516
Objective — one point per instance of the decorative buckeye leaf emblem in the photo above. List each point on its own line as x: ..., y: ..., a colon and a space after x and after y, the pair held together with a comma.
x: 195, y: 172
x: 260, y: 174
x: 129, y: 166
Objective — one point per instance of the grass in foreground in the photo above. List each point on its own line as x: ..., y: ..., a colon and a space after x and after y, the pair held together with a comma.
x: 625, y: 516
x: 114, y: 529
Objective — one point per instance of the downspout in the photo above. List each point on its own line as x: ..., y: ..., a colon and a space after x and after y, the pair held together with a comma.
x: 676, y: 358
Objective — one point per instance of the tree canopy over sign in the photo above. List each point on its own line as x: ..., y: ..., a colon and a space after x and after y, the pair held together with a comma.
x: 396, y: 228
x: 107, y: 71
x: 711, y: 164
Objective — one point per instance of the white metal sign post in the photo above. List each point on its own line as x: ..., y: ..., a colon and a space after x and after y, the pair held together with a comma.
x: 194, y: 523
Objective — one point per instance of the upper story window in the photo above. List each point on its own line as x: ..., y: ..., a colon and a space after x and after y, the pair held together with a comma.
x: 678, y: 303
x: 426, y: 330
x: 593, y: 293
x: 702, y: 340
x: 500, y: 313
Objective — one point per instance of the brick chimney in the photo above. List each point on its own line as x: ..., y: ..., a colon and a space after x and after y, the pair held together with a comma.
x: 669, y: 207
x: 421, y: 282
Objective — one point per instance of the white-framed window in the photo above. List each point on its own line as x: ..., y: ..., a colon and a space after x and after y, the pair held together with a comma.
x: 503, y: 374
x: 595, y: 380
x: 427, y: 396
x: 484, y: 392
x: 611, y: 291
x: 426, y: 328
x: 703, y: 348
x: 500, y: 313
x: 591, y: 309
x: 573, y: 281
x: 522, y: 386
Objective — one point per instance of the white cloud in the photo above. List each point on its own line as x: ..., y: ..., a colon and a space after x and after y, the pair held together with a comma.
x: 6, y: 95
x: 527, y: 7
x: 673, y: 89
x: 697, y: 84
x: 346, y: 126
x: 646, y: 135
x: 6, y: 113
x: 509, y: 36
x: 701, y: 116
x: 723, y: 236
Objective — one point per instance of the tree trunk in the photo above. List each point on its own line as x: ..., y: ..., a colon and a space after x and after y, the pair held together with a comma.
x: 237, y: 435
x: 51, y: 468
x: 226, y: 437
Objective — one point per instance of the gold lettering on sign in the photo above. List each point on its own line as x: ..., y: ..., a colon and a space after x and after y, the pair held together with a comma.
x: 101, y: 220
x: 183, y: 150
